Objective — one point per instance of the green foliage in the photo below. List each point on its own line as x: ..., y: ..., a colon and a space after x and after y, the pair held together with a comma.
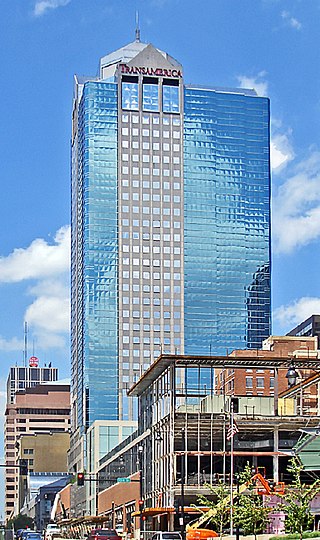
x: 250, y: 514
x: 297, y: 500
x: 219, y: 507
x: 313, y: 534
x: 21, y: 521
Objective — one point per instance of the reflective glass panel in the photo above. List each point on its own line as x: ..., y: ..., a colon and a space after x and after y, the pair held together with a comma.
x: 150, y: 97
x: 130, y: 95
x: 226, y: 221
x: 170, y: 99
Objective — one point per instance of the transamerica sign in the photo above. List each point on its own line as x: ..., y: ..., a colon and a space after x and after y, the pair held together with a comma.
x: 157, y: 72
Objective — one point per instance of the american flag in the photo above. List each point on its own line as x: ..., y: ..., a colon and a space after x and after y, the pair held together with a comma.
x: 232, y: 430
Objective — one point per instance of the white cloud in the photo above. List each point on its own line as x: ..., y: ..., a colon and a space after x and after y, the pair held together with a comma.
x: 291, y: 315
x: 291, y: 21
x: 47, y: 265
x: 8, y: 345
x: 41, y: 6
x: 296, y: 207
x: 39, y: 260
x: 281, y: 151
x: 257, y: 82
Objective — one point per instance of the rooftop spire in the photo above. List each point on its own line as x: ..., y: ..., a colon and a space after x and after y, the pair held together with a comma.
x: 137, y: 27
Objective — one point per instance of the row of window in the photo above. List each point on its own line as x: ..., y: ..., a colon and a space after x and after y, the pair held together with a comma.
x: 147, y: 119
x: 136, y: 314
x: 155, y: 133
x: 155, y: 223
x: 147, y: 301
x: 154, y: 96
x: 146, y: 145
x: 146, y: 275
x: 155, y: 185
x: 259, y: 382
x: 147, y: 249
x: 146, y: 328
x: 155, y: 211
x: 146, y: 158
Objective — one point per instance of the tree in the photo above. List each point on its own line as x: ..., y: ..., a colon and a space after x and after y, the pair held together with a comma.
x: 249, y: 512
x: 21, y: 521
x: 297, y: 500
x: 219, y: 511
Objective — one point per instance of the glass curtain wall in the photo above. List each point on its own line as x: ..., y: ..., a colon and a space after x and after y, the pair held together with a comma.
x: 95, y: 232
x: 227, y: 221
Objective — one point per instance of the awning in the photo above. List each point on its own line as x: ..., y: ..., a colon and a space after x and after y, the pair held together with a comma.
x: 157, y: 510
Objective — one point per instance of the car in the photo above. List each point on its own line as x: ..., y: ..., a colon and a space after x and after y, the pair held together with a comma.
x: 52, y: 531
x: 33, y: 536
x: 103, y: 534
x: 166, y: 535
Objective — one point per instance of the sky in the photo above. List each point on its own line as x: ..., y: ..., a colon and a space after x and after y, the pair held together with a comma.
x: 269, y: 45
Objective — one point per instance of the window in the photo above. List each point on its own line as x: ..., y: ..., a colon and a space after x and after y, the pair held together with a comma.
x: 170, y: 98
x: 260, y: 382
x: 130, y: 92
x: 249, y: 382
x: 150, y: 94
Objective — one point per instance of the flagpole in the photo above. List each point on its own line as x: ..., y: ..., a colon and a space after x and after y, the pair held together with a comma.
x: 231, y: 468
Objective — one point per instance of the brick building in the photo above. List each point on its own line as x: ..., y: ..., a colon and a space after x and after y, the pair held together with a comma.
x: 260, y: 382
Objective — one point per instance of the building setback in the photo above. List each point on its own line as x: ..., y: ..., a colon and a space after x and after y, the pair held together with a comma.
x: 39, y: 409
x: 170, y: 226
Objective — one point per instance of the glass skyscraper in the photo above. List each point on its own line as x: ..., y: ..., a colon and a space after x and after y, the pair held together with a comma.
x: 170, y: 224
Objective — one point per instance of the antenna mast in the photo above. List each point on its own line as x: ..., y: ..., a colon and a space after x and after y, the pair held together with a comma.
x: 137, y: 27
x: 25, y: 352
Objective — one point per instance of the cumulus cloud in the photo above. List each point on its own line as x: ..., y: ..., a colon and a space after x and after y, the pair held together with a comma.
x: 296, y: 206
x: 41, y: 6
x: 46, y: 267
x: 9, y: 345
x: 281, y: 151
x: 39, y: 260
x: 299, y: 310
x: 257, y: 83
x: 291, y: 21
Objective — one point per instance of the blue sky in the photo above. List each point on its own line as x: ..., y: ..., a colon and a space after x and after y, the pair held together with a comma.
x: 272, y: 45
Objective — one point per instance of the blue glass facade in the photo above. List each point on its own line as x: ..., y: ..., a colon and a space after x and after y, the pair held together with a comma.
x: 170, y: 227
x: 226, y: 221
x: 95, y: 243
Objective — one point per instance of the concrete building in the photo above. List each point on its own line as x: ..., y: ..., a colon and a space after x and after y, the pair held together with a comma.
x: 21, y: 377
x: 41, y: 409
x: 170, y: 227
x: 309, y: 327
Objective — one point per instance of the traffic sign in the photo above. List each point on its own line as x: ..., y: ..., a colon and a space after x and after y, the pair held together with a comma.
x: 123, y: 480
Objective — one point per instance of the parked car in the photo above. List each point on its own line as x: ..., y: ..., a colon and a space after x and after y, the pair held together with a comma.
x: 33, y: 536
x: 166, y: 535
x: 52, y: 531
x: 103, y: 534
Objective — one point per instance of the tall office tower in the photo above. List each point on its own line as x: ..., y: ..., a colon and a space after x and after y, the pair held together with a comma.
x: 170, y: 224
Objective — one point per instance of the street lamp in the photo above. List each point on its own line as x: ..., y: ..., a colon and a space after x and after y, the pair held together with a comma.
x: 140, y: 453
x: 291, y: 375
x: 183, y: 472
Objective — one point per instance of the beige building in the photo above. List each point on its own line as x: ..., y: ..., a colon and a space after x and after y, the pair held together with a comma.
x: 40, y: 410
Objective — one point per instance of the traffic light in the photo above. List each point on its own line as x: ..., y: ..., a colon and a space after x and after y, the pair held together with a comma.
x: 23, y: 467
x: 80, y: 479
x: 141, y: 505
